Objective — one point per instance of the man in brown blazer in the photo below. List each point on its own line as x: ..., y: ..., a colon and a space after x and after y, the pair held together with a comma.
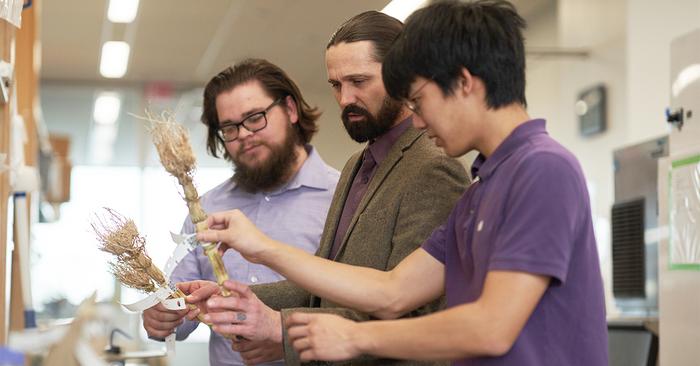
x: 389, y: 198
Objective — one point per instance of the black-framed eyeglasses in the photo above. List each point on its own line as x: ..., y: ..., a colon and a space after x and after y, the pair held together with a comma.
x: 411, y: 103
x: 255, y: 122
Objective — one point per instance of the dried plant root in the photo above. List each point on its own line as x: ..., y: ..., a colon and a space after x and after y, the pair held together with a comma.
x: 175, y: 152
x: 131, y: 265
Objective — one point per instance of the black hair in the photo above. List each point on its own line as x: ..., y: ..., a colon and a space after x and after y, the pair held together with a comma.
x: 485, y: 37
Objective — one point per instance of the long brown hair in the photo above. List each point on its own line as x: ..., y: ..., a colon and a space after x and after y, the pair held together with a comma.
x: 275, y: 82
x: 378, y: 28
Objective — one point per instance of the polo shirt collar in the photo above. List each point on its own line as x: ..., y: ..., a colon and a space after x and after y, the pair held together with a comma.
x: 484, y: 168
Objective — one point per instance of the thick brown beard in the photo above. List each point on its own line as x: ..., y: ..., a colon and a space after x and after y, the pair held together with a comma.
x: 272, y: 173
x: 373, y: 126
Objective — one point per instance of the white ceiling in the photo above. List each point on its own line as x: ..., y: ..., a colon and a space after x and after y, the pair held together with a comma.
x: 188, y: 41
x: 177, y: 46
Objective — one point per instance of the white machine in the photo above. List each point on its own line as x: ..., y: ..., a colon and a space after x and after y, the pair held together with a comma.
x: 679, y: 211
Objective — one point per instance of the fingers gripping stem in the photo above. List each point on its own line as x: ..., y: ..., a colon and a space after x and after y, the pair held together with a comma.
x: 217, y: 263
x: 218, y: 266
x: 200, y: 317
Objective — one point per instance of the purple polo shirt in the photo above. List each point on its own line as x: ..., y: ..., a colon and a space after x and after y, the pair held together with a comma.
x: 528, y: 210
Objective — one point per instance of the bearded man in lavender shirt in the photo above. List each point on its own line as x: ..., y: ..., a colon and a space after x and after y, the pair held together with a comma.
x: 256, y: 114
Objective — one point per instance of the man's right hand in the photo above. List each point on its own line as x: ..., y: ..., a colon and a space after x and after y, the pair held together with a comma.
x: 160, y: 322
x: 234, y: 230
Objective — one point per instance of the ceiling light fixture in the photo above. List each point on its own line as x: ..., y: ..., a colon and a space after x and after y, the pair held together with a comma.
x: 401, y: 9
x: 122, y: 11
x: 114, y: 59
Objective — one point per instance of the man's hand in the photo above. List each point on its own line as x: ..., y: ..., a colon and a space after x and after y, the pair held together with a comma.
x: 160, y: 322
x: 244, y: 315
x: 257, y: 352
x: 323, y: 337
x: 234, y: 230
x: 198, y: 292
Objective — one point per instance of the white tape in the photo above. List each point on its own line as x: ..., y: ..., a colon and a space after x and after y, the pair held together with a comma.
x: 170, y: 345
x: 161, y: 294
x: 178, y: 238
x: 177, y: 303
x: 185, y: 244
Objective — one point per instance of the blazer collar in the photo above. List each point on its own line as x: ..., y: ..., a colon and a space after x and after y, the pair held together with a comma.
x: 395, y: 155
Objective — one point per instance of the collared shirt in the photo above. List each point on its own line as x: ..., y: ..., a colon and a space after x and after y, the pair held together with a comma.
x: 381, y: 146
x: 372, y: 157
x: 294, y: 213
x: 529, y: 211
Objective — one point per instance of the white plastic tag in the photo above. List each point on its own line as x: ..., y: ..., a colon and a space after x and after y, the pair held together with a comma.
x: 152, y: 299
x: 177, y: 303
x: 185, y: 244
x: 170, y: 345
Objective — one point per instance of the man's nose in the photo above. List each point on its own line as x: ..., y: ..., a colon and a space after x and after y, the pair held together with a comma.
x: 347, y: 97
x: 243, y: 132
x: 418, y: 122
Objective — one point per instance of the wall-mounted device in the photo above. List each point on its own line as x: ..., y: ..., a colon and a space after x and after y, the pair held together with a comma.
x: 591, y: 110
x: 634, y: 220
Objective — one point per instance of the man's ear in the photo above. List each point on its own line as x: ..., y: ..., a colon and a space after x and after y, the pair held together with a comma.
x: 291, y: 108
x: 466, y: 81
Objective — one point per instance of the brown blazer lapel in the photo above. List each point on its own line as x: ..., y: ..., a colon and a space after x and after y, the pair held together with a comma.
x: 395, y: 154
x: 337, y: 205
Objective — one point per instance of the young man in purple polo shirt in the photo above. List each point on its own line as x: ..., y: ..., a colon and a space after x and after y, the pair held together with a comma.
x: 517, y: 257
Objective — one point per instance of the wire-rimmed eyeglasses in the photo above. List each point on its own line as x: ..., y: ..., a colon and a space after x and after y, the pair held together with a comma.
x: 412, y: 102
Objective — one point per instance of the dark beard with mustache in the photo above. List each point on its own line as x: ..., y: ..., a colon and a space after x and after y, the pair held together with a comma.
x: 372, y: 127
x: 272, y: 173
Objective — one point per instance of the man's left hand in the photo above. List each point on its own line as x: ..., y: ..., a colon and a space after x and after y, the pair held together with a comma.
x: 323, y: 337
x: 257, y: 352
x: 244, y: 315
